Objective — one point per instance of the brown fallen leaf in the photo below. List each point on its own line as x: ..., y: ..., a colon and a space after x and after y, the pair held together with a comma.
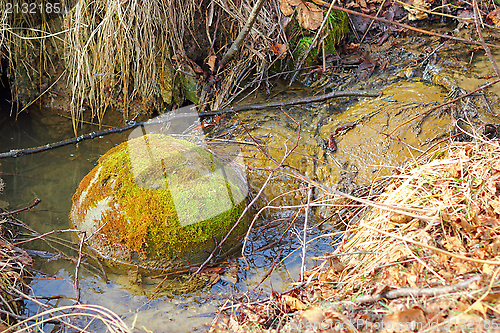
x: 494, y: 16
x: 4, y: 329
x: 286, y: 6
x: 336, y: 265
x: 309, y: 15
x: 472, y: 322
x: 410, y: 319
x: 495, y: 204
x: 493, y: 296
x: 413, y: 9
x: 400, y: 218
x: 211, y: 62
x: 455, y: 170
x: 292, y: 302
x: 313, y: 315
x: 280, y: 50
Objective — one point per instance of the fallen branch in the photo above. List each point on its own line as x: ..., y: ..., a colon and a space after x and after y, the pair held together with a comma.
x: 402, y: 25
x: 37, y: 201
x: 296, y: 101
x: 417, y: 292
x: 133, y: 124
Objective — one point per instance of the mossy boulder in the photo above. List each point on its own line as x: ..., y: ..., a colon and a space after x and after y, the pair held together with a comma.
x: 157, y: 202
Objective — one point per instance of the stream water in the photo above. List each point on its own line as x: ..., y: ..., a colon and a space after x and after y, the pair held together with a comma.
x: 53, y: 176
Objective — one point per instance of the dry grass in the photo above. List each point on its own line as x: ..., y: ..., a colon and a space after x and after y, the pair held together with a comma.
x: 28, y: 45
x: 116, y: 50
x: 80, y: 317
x: 122, y: 50
x: 460, y: 183
x: 13, y: 262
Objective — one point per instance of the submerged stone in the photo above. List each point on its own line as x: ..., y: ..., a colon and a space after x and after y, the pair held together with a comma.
x: 157, y: 202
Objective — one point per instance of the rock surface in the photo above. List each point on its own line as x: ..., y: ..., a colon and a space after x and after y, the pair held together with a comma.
x: 158, y: 203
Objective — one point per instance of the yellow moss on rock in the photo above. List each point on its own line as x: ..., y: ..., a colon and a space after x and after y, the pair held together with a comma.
x: 128, y: 199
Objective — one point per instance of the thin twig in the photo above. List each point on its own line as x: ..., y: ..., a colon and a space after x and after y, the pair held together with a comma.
x: 77, y: 268
x: 243, y: 33
x: 304, y: 235
x: 167, y: 118
x: 37, y: 201
x: 371, y: 22
x: 46, y: 234
x: 480, y: 35
x: 417, y: 292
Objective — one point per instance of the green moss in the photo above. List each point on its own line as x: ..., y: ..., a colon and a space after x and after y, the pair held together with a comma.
x: 143, y: 217
x: 336, y: 29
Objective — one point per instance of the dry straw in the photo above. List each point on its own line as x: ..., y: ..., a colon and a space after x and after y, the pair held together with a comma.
x: 459, y: 181
x: 80, y: 317
x: 127, y: 48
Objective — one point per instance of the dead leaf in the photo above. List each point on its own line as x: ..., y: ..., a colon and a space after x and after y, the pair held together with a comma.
x: 292, y: 302
x: 309, y: 15
x: 479, y: 307
x: 196, y: 68
x: 284, y: 21
x: 400, y: 218
x: 493, y: 296
x: 454, y: 244
x: 494, y: 16
x: 4, y: 329
x: 409, y: 319
x: 211, y: 62
x: 286, y: 6
x: 495, y: 204
x: 455, y: 170
x: 413, y: 9
x: 467, y: 152
x: 313, y: 315
x: 488, y: 269
x: 280, y: 50
x: 336, y: 265
x: 252, y: 316
x: 176, y: 57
